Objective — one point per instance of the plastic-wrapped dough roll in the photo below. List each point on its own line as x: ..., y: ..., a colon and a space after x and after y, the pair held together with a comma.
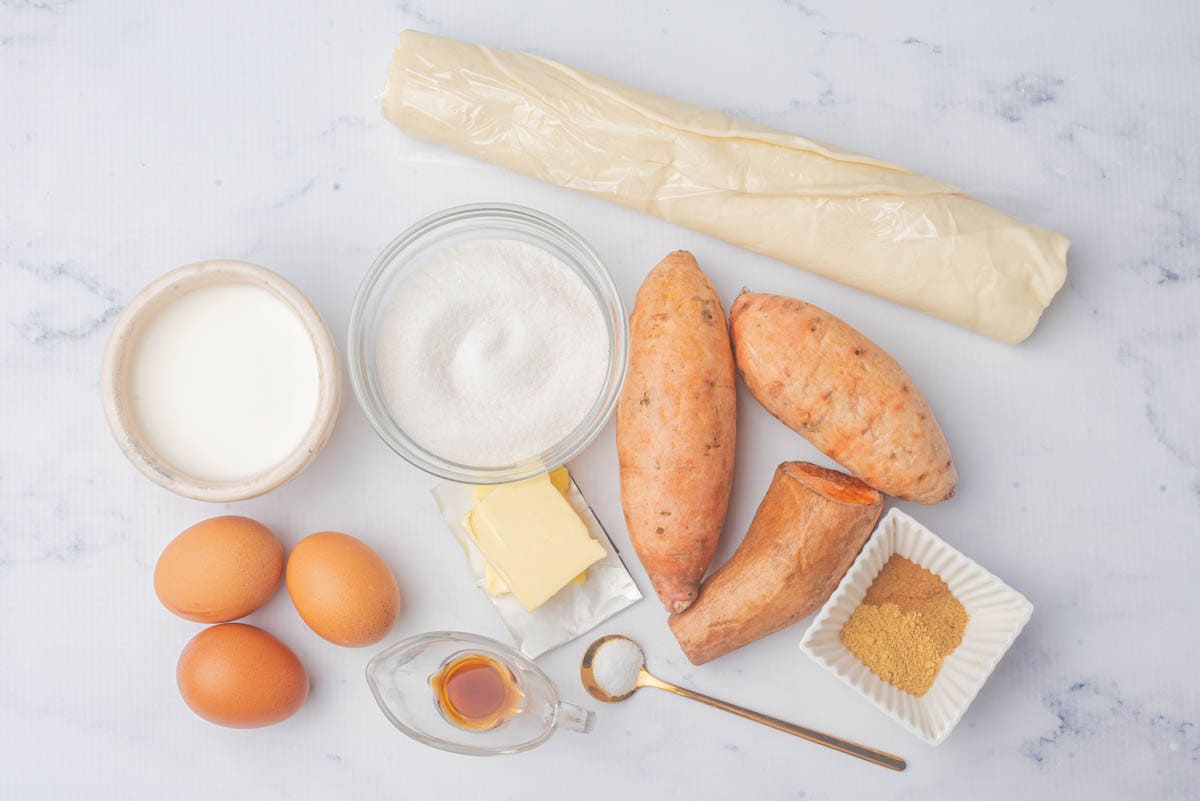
x: 857, y: 220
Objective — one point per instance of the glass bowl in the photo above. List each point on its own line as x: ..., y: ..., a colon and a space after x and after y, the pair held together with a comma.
x: 399, y: 678
x: 406, y: 253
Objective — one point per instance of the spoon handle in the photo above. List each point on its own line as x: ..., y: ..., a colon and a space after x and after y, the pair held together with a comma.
x: 881, y: 758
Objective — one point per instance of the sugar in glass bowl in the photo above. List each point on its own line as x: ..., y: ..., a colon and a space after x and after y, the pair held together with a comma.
x: 405, y: 255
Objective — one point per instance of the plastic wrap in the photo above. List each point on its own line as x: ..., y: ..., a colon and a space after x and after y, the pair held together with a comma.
x: 866, y: 223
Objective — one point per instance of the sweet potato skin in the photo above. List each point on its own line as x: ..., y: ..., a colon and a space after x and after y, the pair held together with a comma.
x: 676, y: 427
x: 807, y: 531
x: 844, y: 394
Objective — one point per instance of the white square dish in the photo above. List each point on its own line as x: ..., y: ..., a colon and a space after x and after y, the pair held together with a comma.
x: 997, y: 612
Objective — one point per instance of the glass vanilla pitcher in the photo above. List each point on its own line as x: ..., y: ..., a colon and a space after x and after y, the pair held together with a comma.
x: 469, y: 694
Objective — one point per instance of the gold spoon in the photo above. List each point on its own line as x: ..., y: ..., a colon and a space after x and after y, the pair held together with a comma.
x: 645, y: 679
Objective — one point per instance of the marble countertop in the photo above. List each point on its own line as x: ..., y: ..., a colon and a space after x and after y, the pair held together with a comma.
x: 139, y: 136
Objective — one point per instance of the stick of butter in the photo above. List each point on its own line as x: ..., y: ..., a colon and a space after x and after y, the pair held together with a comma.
x: 559, y: 477
x: 532, y: 538
x: 493, y: 582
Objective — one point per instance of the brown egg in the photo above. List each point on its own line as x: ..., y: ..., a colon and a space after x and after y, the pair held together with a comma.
x: 240, y: 676
x: 342, y: 589
x: 219, y: 569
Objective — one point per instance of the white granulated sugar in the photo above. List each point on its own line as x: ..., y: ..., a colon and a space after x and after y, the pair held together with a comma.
x: 616, y: 665
x: 491, y: 352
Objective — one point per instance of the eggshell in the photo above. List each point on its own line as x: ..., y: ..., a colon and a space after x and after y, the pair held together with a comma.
x: 342, y: 589
x: 219, y: 569
x: 240, y: 676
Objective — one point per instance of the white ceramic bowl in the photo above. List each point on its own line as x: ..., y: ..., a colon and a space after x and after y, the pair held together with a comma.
x: 114, y: 384
x: 998, y: 613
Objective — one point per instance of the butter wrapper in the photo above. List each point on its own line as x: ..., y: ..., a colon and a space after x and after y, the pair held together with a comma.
x: 576, y: 608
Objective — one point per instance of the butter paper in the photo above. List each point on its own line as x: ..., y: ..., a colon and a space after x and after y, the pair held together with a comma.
x: 576, y: 608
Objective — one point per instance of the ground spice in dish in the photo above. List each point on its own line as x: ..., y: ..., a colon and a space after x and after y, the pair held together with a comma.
x: 907, y: 624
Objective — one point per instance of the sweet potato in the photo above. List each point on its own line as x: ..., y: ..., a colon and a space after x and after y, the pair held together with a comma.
x: 844, y: 394
x: 676, y: 427
x: 805, y: 535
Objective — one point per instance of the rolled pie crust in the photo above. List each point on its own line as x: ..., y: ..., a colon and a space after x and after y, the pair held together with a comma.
x: 857, y: 220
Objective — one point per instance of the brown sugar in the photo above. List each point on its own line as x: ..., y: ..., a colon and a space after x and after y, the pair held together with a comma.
x: 907, y: 624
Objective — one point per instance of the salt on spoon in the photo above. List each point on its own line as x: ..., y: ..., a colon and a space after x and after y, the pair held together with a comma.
x: 614, y: 668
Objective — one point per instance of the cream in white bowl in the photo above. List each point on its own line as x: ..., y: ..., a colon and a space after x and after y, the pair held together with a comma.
x: 220, y: 381
x: 997, y: 615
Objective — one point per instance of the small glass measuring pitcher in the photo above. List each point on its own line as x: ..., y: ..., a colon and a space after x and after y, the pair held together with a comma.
x: 408, y: 680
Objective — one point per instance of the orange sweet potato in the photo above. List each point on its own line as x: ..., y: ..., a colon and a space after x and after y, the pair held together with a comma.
x: 844, y: 394
x: 805, y: 535
x: 676, y: 427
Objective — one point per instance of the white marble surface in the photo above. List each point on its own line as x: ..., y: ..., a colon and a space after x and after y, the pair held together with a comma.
x: 135, y: 137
